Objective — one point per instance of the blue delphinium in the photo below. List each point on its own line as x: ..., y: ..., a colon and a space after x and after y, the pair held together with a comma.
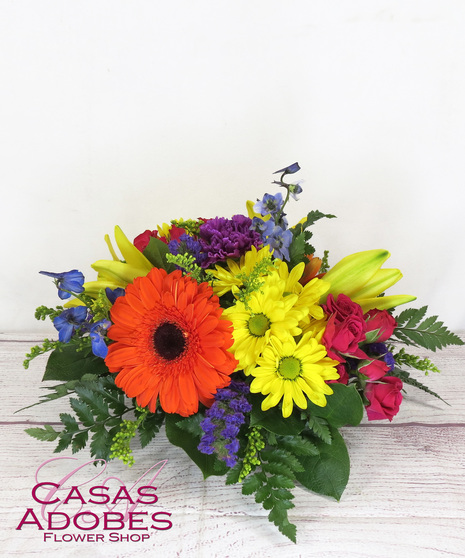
x: 279, y: 240
x: 291, y: 169
x: 113, y: 294
x: 270, y: 205
x: 97, y: 333
x: 67, y: 282
x: 223, y: 421
x: 69, y: 321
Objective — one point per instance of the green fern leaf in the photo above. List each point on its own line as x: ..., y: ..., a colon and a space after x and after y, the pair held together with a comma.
x: 320, y: 429
x: 430, y: 333
x: 45, y: 434
x: 407, y: 379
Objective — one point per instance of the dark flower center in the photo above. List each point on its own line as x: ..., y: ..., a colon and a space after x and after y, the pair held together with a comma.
x: 169, y: 341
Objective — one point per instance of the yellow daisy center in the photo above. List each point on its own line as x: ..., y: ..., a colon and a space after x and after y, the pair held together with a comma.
x: 290, y: 368
x: 258, y: 325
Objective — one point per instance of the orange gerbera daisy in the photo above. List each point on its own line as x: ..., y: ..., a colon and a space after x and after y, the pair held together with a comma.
x: 170, y: 342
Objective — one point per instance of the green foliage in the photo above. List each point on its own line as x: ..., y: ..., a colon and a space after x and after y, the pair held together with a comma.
x: 320, y: 428
x: 178, y: 434
x: 300, y: 246
x: 430, y: 333
x: 120, y: 447
x: 45, y: 434
x: 191, y: 226
x: 413, y: 361
x: 100, y: 307
x: 44, y: 312
x: 343, y: 407
x: 255, y: 443
x: 71, y: 362
x: 156, y: 252
x: 99, y: 406
x: 46, y: 346
x: 325, y: 262
x: 407, y: 379
x: 328, y: 472
x: 273, y: 420
x: 253, y: 281
x: 280, y: 463
x: 272, y: 486
x: 187, y: 263
x: 150, y: 426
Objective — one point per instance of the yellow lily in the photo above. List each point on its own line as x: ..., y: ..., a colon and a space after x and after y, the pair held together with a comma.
x: 116, y: 273
x: 360, y: 277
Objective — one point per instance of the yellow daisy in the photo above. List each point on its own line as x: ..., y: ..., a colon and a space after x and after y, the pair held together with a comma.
x: 293, y: 372
x: 309, y: 295
x: 236, y: 274
x: 269, y: 311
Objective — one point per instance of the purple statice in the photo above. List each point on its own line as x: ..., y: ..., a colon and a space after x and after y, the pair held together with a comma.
x: 382, y: 350
x: 223, y: 421
x: 186, y: 244
x: 222, y: 238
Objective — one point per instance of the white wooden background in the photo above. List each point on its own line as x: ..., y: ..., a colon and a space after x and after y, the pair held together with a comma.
x: 405, y: 497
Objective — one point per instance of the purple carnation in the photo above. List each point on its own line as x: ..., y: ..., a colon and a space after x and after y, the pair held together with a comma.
x: 222, y: 238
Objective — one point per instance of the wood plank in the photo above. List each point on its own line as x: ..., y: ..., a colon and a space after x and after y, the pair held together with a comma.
x: 405, y: 497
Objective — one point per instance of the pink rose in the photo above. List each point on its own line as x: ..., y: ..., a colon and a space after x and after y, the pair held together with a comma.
x: 345, y: 329
x: 382, y: 320
x: 375, y: 370
x: 384, y: 397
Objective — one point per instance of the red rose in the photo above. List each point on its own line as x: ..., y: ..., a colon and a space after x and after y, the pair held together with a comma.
x: 141, y: 241
x: 342, y: 307
x: 382, y: 320
x: 375, y: 370
x: 385, y: 398
x: 345, y: 329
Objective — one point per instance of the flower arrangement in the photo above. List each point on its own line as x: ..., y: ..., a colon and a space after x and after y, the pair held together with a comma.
x: 247, y: 347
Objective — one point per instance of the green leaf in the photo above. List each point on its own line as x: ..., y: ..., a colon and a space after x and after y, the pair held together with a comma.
x: 279, y: 455
x: 150, y: 427
x: 208, y: 464
x: 311, y: 218
x: 298, y: 445
x: 328, y: 472
x: 155, y: 252
x: 67, y: 363
x: 82, y: 411
x: 251, y: 484
x: 273, y: 420
x: 430, y: 333
x: 343, y: 407
x: 64, y: 441
x: 101, y: 442
x: 289, y: 530
x: 320, y: 428
x: 79, y: 441
x: 45, y: 434
x: 71, y: 426
x: 95, y: 400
